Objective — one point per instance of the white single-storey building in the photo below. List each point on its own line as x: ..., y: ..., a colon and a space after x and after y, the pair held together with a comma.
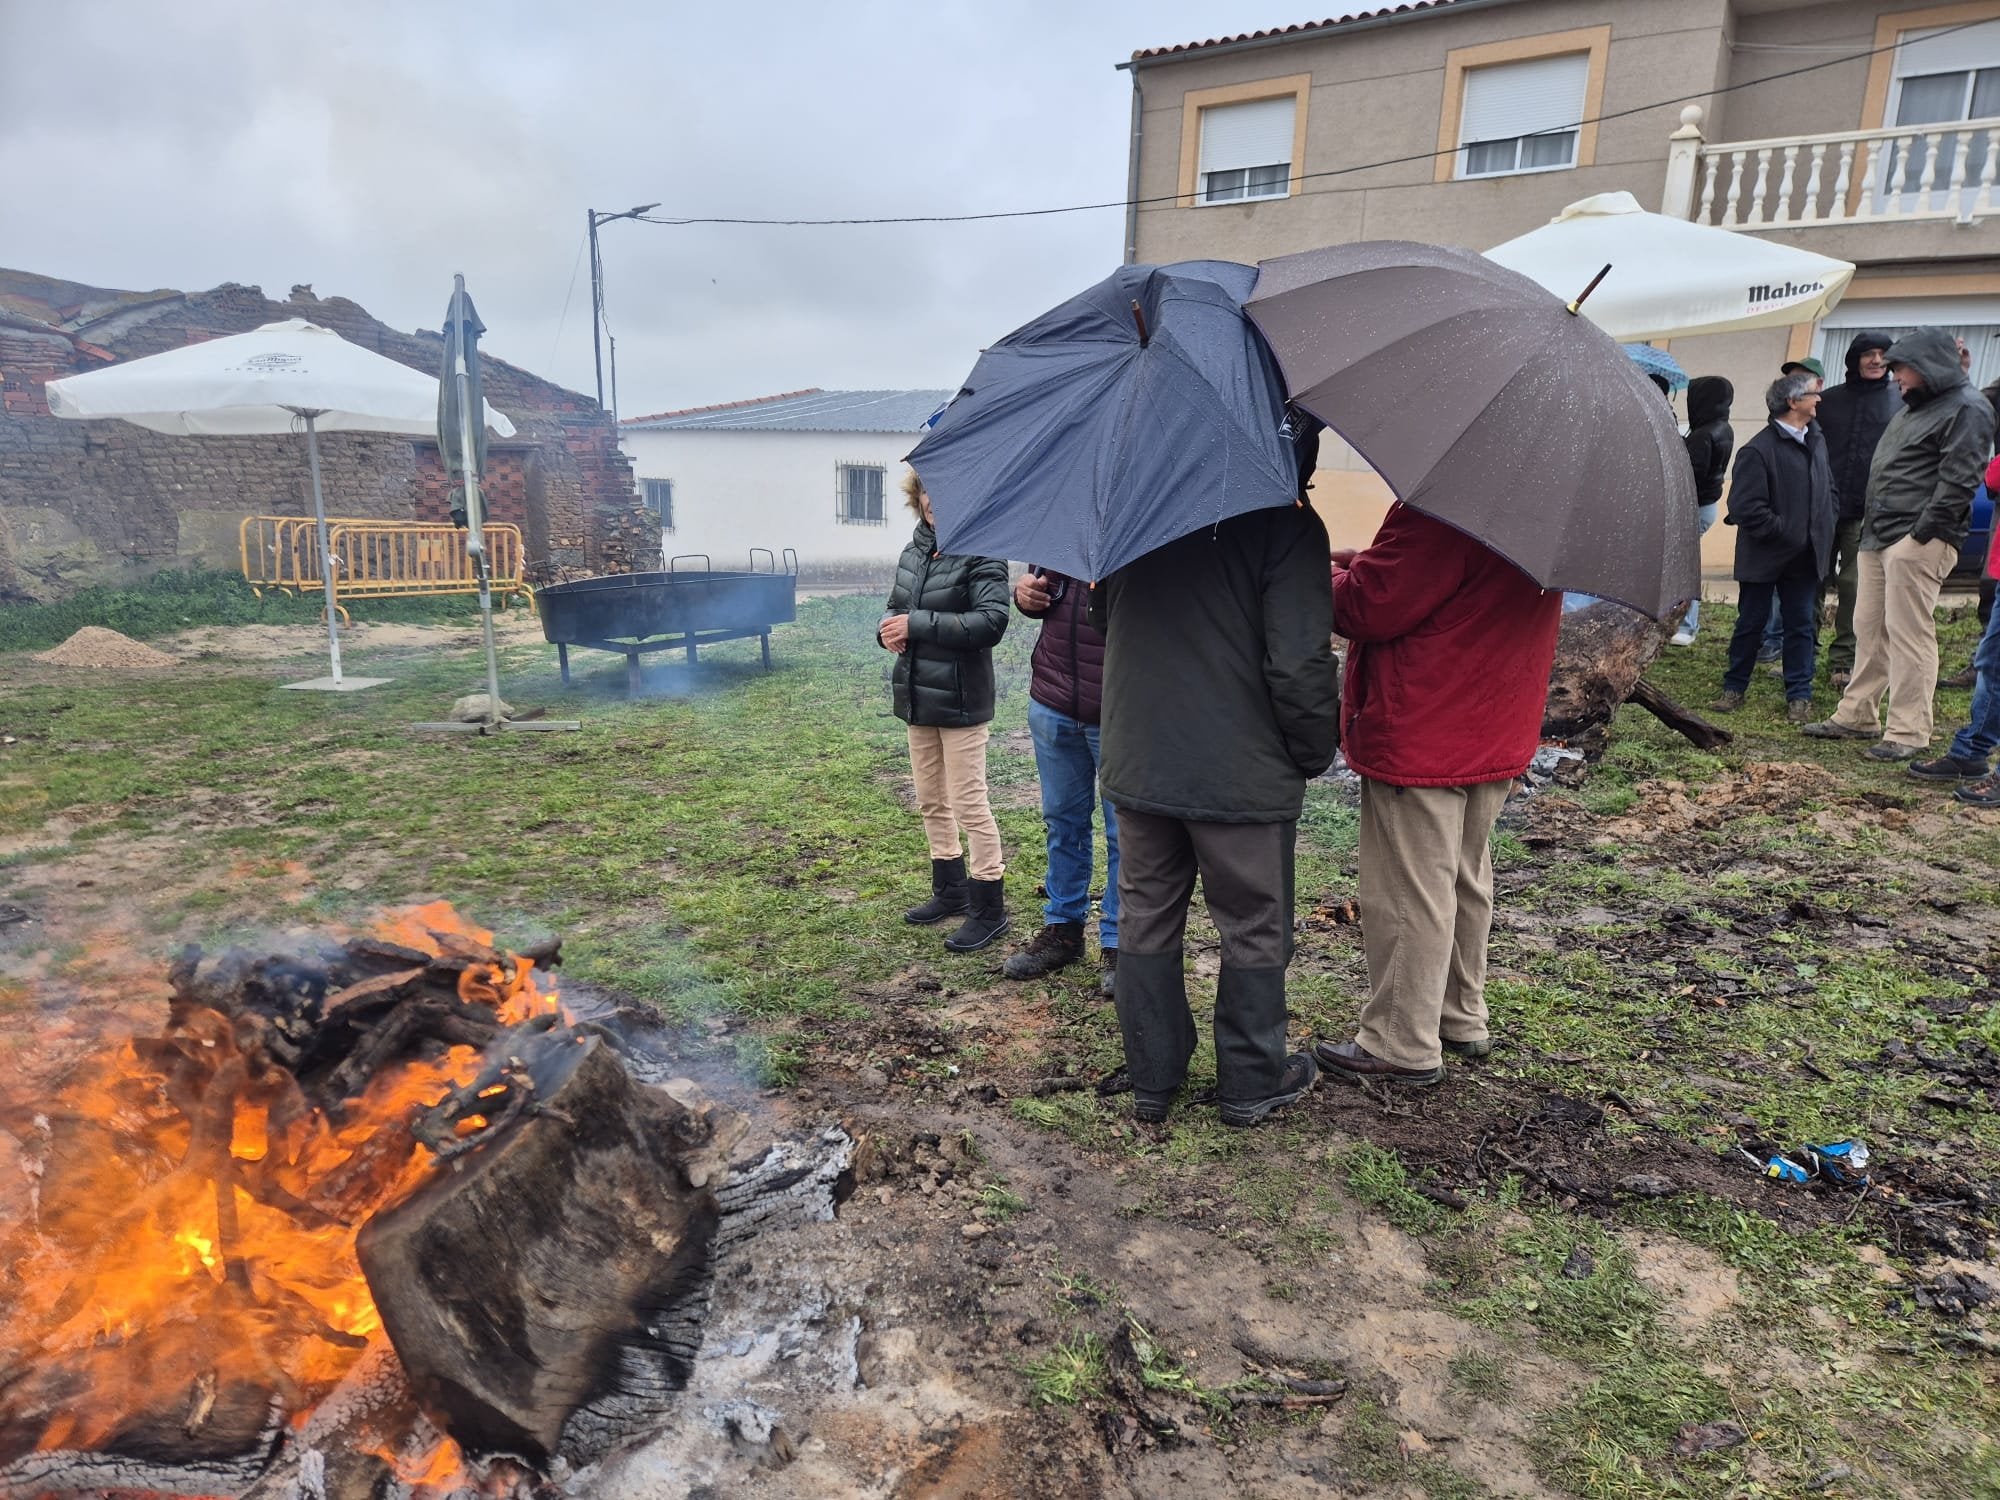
x: 816, y: 471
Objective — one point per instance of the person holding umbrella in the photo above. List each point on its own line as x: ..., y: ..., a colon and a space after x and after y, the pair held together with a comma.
x: 946, y: 613
x: 1220, y: 703
x: 1065, y: 691
x: 1448, y: 669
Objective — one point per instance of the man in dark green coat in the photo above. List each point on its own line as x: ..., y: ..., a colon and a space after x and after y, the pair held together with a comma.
x: 1920, y: 483
x: 1220, y: 703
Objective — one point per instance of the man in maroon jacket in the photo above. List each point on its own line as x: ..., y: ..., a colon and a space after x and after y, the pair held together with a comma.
x: 1065, y: 694
x: 1450, y: 647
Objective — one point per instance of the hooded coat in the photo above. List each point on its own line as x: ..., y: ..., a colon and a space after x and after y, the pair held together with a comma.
x: 1710, y: 438
x: 1853, y: 415
x: 957, y: 606
x: 1932, y: 453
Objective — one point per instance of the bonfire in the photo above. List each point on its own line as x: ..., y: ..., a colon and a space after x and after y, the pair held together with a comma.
x: 399, y: 1134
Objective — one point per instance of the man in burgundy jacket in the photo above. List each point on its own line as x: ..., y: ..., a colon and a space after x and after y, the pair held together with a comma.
x: 1065, y: 694
x: 1450, y: 647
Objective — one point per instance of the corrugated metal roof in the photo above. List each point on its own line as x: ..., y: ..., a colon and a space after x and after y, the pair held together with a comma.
x: 811, y: 410
x: 1301, y: 28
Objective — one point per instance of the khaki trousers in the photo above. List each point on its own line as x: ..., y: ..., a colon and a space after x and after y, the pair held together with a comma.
x: 1426, y: 910
x: 949, y: 767
x: 1895, y: 639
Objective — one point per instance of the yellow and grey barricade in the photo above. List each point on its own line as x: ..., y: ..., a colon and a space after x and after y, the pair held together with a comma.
x: 376, y: 559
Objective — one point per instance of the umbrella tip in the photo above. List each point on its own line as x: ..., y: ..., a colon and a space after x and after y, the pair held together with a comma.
x: 1572, y: 307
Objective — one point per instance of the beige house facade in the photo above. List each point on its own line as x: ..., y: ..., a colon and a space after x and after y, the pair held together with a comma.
x: 1865, y: 130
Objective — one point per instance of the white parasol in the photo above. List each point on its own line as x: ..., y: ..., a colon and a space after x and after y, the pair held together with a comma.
x: 1670, y: 278
x: 283, y: 377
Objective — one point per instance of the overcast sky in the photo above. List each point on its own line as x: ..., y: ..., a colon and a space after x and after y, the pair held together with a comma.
x: 373, y: 147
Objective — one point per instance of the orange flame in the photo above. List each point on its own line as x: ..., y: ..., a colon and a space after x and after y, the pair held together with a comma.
x: 171, y: 1254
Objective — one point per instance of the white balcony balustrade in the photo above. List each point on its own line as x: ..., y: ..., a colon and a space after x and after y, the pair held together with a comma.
x: 1904, y: 172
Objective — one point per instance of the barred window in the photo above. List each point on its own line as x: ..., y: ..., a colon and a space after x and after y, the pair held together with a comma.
x: 858, y: 493
x: 660, y: 501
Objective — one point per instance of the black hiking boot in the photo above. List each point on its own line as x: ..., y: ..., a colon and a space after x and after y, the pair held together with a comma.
x: 986, y: 917
x: 1300, y: 1074
x: 1107, y: 978
x: 948, y: 896
x: 1056, y: 946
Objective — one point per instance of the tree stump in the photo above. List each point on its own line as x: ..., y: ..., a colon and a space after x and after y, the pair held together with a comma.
x: 513, y: 1281
x: 1601, y: 655
x: 1602, y: 652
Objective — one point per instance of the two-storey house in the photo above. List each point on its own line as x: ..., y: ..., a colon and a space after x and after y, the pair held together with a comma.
x: 1864, y: 129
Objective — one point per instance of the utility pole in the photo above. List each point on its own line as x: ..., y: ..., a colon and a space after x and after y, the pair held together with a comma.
x: 597, y: 330
x: 596, y: 307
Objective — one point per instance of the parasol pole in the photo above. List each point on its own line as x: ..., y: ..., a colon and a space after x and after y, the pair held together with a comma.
x: 475, y: 524
x: 325, y: 550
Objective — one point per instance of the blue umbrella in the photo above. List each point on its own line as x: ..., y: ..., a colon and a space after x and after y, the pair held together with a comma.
x: 1653, y: 361
x: 1135, y: 413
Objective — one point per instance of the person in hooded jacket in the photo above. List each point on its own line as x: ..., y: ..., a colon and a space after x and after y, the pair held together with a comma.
x: 1782, y: 505
x: 1919, y: 510
x: 1853, y: 415
x: 946, y: 613
x: 1065, y: 697
x: 1710, y: 440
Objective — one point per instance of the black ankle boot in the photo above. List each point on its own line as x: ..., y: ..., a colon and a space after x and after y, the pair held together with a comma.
x: 948, y: 894
x: 986, y: 920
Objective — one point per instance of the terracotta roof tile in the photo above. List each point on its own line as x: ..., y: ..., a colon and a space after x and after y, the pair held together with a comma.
x: 1300, y: 28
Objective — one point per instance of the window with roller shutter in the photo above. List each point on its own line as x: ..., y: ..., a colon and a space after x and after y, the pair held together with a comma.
x: 1522, y: 116
x: 1246, y: 150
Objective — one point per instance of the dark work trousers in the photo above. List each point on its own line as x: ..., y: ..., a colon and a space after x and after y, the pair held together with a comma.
x: 1246, y: 877
x: 1797, y: 597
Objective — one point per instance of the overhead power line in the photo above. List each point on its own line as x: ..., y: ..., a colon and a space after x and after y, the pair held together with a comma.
x: 1392, y: 161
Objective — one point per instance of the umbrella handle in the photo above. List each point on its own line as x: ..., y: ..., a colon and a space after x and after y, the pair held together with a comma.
x: 1139, y: 317
x: 1588, y: 290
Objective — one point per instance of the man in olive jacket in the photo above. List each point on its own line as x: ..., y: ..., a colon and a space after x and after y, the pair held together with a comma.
x: 1220, y: 703
x: 1920, y: 486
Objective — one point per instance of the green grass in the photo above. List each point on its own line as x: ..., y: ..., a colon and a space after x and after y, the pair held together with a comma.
x: 176, y: 600
x: 1070, y: 1372
x: 733, y: 845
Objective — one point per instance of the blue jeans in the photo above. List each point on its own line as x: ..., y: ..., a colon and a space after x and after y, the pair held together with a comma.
x: 1692, y: 621
x: 1977, y: 740
x: 1797, y: 596
x: 1066, y: 760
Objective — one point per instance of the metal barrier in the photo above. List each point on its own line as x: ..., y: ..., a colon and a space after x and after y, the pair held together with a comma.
x: 376, y: 559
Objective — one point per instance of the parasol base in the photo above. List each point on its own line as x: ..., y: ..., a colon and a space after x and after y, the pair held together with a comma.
x: 536, y: 726
x: 335, y: 684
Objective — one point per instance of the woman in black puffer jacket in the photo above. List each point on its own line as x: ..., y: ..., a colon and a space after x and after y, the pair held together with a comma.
x: 945, y: 616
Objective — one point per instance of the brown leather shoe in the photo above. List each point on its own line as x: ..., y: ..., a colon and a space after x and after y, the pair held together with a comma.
x: 1356, y: 1064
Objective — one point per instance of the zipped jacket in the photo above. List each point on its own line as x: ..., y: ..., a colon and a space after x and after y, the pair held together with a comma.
x: 1067, y: 670
x: 957, y: 606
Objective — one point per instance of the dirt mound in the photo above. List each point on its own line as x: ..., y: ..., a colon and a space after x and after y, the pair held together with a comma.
x: 1670, y: 807
x: 94, y: 646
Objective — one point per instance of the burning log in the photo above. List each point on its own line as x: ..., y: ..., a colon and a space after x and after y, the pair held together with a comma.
x: 316, y: 1163
x: 188, y: 1277
x: 509, y: 1283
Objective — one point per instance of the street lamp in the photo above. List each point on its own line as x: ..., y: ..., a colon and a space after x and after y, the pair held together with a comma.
x: 597, y: 305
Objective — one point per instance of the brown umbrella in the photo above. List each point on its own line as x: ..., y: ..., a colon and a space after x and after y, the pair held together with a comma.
x: 1487, y: 402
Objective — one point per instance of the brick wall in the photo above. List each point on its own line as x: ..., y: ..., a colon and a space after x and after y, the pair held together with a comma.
x: 92, y: 497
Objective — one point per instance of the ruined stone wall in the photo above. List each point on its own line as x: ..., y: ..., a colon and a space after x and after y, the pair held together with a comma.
x: 86, y: 501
